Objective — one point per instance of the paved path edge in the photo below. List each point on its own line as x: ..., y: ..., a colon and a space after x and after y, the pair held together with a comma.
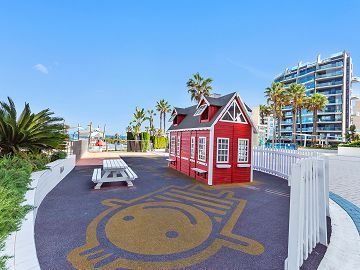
x: 343, y: 250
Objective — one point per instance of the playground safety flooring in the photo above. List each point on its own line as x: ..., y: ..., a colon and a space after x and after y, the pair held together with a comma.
x: 166, y: 221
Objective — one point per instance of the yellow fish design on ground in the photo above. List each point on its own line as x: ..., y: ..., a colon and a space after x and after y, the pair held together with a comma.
x: 171, y: 228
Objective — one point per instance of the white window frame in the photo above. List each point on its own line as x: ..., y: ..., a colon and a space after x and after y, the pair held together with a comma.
x: 192, y: 147
x: 200, y: 110
x: 218, y: 144
x: 247, y: 150
x: 200, y: 155
x: 178, y: 146
x: 172, y: 143
x: 232, y: 115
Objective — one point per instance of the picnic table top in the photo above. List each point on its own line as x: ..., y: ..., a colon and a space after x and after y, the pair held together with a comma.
x: 114, y: 164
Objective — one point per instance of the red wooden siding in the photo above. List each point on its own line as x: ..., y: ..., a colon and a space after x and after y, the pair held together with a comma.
x: 233, y: 131
x: 183, y: 162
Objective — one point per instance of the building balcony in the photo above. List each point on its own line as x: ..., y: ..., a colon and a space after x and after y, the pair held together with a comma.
x: 329, y: 75
x: 331, y: 65
x: 327, y: 84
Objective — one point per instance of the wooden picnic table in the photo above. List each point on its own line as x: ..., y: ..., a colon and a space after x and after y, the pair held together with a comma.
x: 114, y: 170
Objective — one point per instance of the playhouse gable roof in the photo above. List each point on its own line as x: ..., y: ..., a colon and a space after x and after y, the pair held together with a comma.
x: 193, y: 122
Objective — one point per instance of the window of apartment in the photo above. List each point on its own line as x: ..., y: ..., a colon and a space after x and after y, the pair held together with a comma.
x: 172, y: 145
x: 192, y: 148
x: 243, y: 150
x: 178, y: 146
x: 202, y: 149
x: 222, y: 150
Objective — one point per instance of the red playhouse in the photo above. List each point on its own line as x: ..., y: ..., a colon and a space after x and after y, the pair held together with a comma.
x: 212, y: 141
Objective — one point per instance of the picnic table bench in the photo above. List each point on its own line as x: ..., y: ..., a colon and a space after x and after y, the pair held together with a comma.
x: 114, y: 170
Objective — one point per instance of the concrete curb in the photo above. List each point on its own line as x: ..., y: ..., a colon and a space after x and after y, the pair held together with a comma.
x: 20, y: 245
x: 343, y: 250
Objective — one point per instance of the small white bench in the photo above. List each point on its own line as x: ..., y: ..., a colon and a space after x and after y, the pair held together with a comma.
x: 131, y: 176
x: 172, y: 161
x: 199, y: 171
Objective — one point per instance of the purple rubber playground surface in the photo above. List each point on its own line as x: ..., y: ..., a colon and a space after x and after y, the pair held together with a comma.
x: 258, y: 238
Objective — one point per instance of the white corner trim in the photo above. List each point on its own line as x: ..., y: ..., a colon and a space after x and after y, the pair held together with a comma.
x: 222, y: 166
x: 20, y: 245
x: 343, y: 250
x: 211, y: 156
x: 244, y: 165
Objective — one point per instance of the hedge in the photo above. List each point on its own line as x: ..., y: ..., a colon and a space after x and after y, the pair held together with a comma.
x: 159, y: 142
x: 351, y: 144
x: 15, y: 173
x: 14, y: 181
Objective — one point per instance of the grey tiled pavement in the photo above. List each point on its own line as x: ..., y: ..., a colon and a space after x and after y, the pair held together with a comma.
x: 345, y: 177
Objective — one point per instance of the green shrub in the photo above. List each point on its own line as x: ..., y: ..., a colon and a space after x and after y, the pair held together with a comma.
x: 351, y: 144
x: 58, y: 155
x: 145, y: 141
x: 15, y: 174
x: 159, y: 142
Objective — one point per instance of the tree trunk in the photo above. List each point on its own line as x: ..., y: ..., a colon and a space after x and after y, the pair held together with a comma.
x: 314, y: 126
x: 274, y: 129
x: 294, y: 114
x: 300, y: 118
x: 164, y: 122
x: 160, y: 121
x: 279, y: 129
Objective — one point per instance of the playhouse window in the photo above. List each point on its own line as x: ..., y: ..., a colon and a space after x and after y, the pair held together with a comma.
x: 202, y: 149
x: 243, y: 150
x: 222, y: 150
x: 172, y: 149
x: 178, y: 146
x: 200, y: 110
x: 192, y: 148
x: 234, y: 114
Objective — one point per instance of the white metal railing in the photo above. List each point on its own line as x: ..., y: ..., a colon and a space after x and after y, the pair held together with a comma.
x: 308, y: 210
x: 278, y: 162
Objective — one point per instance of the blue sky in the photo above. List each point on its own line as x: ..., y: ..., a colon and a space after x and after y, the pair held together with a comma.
x: 97, y: 60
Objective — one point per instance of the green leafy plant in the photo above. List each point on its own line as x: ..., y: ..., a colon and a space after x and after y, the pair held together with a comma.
x: 31, y: 132
x: 58, y: 155
x: 351, y: 144
x: 15, y: 174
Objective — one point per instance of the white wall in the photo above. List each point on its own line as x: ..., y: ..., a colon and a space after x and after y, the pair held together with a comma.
x: 349, y: 151
x: 21, y: 244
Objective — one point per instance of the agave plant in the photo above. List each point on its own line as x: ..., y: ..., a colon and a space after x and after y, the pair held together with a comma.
x: 31, y: 132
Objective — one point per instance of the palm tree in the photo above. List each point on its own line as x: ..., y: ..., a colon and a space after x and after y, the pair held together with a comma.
x: 314, y: 103
x: 265, y: 110
x: 199, y: 87
x: 139, y: 117
x: 29, y: 132
x: 296, y: 94
x: 150, y: 117
x: 163, y: 107
x: 276, y: 97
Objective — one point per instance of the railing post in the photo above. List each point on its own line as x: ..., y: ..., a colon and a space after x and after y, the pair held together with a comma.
x: 296, y: 219
x: 323, y: 200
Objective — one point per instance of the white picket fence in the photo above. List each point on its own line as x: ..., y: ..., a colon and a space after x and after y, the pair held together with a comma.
x: 308, y: 210
x: 278, y: 162
x: 307, y: 175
